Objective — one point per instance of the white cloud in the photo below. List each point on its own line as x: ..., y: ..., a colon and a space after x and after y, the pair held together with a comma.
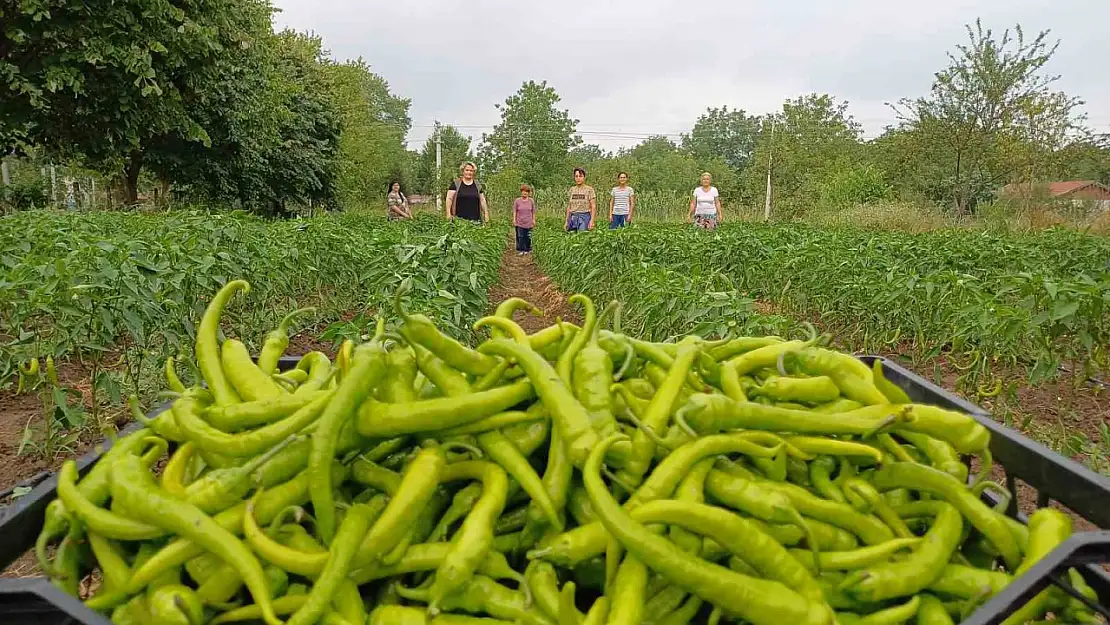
x: 640, y: 67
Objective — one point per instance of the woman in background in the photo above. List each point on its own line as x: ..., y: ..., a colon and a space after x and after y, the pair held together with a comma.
x: 524, y: 219
x: 465, y: 198
x: 622, y: 203
x: 705, y: 206
x: 398, y: 204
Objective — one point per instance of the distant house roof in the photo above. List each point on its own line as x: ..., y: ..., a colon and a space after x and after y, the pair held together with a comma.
x: 1055, y: 189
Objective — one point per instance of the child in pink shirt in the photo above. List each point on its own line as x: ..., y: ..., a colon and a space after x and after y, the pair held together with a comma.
x: 524, y: 219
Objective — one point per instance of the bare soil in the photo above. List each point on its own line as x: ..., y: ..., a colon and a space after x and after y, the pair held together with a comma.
x: 520, y: 277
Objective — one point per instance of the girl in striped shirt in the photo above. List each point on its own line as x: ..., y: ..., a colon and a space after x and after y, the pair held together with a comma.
x: 622, y: 203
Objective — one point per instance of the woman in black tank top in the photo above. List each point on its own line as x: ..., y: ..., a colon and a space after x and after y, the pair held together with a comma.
x: 465, y: 198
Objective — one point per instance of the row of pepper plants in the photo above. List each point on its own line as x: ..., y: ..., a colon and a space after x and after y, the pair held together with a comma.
x: 1030, y: 303
x: 120, y: 292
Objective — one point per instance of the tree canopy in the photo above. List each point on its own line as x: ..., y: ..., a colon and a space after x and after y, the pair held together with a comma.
x: 203, y: 101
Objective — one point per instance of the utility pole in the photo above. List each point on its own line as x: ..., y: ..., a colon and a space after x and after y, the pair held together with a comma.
x: 7, y: 173
x: 439, y: 167
x: 770, y: 162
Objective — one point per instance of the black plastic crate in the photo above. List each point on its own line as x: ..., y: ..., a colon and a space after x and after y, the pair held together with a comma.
x: 1053, y: 477
x: 35, y: 601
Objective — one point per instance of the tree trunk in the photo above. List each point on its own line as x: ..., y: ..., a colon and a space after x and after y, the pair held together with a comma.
x: 134, y: 166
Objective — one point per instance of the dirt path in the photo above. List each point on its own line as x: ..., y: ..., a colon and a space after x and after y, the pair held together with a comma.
x: 521, y: 277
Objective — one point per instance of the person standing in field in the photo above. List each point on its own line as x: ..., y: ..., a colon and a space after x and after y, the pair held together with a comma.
x: 524, y: 219
x: 622, y: 204
x: 581, y: 204
x: 397, y: 203
x: 705, y: 206
x: 465, y: 198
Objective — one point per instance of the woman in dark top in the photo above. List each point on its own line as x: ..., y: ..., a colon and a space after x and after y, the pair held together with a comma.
x: 465, y: 198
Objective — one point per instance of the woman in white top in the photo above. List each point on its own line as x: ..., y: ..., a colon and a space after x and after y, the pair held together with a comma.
x: 705, y: 206
x: 622, y: 203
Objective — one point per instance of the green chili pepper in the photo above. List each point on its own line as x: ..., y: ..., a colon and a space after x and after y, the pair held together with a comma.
x: 95, y: 487
x: 813, y: 390
x: 504, y: 453
x: 188, y: 411
x: 340, y: 556
x: 854, y: 559
x: 320, y: 372
x: 838, y: 406
x: 940, y: 454
x: 249, y: 382
x: 691, y: 490
x: 707, y: 414
x: 482, y: 595
x: 495, y: 422
x: 543, y: 583
x: 367, y: 368
x: 591, y: 375
x: 570, y: 417
x: 364, y: 471
x: 557, y: 477
x: 176, y: 605
x: 170, y: 372
x: 741, y: 345
x: 958, y: 429
x: 268, y: 505
x: 175, y: 475
x: 137, y: 493
x: 1048, y: 528
x: 626, y: 596
x: 220, y: 489
x: 896, y: 615
x: 420, y: 329
x: 65, y: 570
x: 852, y: 376
x: 658, y: 413
x: 277, y: 340
x: 381, y: 420
x: 104, y: 522
x: 739, y: 536
x: 664, y: 602
x: 943, y: 485
x: 208, y: 345
x: 932, y: 612
x: 237, y: 417
x: 755, y: 600
x: 893, y: 393
x: 475, y: 537
x: 114, y: 570
x: 966, y: 582
x: 288, y: 604
x: 915, y: 572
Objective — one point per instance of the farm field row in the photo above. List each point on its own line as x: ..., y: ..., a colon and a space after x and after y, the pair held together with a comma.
x: 1019, y: 324
x: 109, y: 296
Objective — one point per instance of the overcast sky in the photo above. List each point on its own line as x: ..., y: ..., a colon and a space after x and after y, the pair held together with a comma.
x: 629, y: 68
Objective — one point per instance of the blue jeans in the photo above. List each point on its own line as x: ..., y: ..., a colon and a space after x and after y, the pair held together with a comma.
x: 523, y: 239
x: 579, y: 222
x: 619, y: 221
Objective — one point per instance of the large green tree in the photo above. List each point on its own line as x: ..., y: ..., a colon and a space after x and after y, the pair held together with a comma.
x: 726, y: 134
x: 812, y: 138
x: 372, y: 143
x: 274, y: 126
x: 991, y: 117
x: 534, y: 136
x: 108, y: 80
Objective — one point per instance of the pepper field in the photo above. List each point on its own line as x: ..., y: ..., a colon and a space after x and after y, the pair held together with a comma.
x: 1017, y: 323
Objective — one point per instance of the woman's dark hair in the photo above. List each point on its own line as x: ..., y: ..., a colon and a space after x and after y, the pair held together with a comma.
x: 623, y: 173
x: 579, y: 169
x: 399, y: 187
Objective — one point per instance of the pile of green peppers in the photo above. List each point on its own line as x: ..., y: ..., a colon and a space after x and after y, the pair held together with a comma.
x: 575, y: 475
